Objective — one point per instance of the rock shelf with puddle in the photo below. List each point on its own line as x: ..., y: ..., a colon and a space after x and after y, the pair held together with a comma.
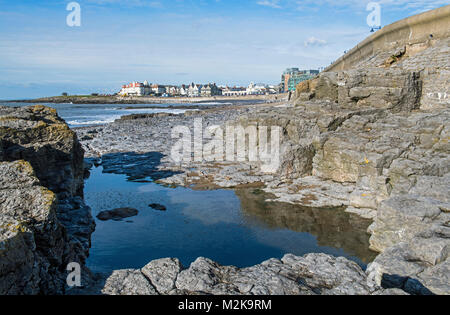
x: 231, y: 227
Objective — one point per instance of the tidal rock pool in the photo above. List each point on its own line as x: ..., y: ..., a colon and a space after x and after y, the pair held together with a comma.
x: 231, y: 227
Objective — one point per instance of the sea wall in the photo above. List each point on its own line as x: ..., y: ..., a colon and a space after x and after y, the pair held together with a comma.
x: 409, y: 32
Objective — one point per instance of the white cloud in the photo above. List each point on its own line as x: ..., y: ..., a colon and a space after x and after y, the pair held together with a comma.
x: 412, y: 6
x: 270, y: 3
x: 133, y: 3
x: 312, y: 41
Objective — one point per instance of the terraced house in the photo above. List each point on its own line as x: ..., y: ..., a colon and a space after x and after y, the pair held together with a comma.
x: 210, y: 90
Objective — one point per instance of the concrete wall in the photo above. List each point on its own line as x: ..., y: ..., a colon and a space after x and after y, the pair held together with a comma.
x: 410, y: 31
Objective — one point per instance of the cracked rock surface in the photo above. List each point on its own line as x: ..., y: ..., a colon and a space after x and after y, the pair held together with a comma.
x: 374, y: 140
x: 44, y: 223
x: 309, y: 275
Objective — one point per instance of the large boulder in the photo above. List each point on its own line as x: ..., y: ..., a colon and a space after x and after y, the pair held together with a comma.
x: 398, y: 90
x: 36, y: 134
x: 400, y: 218
x: 163, y: 274
x: 128, y: 282
x: 419, y: 265
x: 44, y: 222
x: 395, y: 89
x: 33, y: 243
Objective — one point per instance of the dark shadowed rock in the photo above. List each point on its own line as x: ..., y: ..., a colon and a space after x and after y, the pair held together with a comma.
x: 44, y: 223
x: 32, y: 241
x: 117, y: 214
x: 158, y: 207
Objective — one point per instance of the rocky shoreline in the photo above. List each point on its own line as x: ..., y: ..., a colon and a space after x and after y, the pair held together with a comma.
x: 424, y: 222
x: 369, y: 140
x: 374, y: 141
x: 44, y: 222
x: 313, y: 274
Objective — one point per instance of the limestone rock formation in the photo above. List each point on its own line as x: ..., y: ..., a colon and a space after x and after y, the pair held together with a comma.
x: 44, y: 223
x: 373, y: 139
x: 400, y: 218
x: 32, y: 239
x: 36, y: 134
x: 313, y: 274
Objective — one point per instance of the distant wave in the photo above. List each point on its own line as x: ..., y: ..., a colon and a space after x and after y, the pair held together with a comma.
x: 88, y: 107
x: 106, y: 119
x: 94, y: 121
x: 212, y: 103
x: 154, y: 111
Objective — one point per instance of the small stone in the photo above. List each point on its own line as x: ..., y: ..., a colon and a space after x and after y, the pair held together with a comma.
x: 117, y: 214
x: 158, y: 207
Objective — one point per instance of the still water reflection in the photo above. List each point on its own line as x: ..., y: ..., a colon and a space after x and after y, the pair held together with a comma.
x: 231, y: 227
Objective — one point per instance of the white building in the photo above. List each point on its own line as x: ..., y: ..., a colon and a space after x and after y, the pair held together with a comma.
x: 132, y: 89
x: 272, y: 89
x: 254, y: 89
x: 194, y: 90
x: 136, y: 89
x: 184, y: 90
x: 234, y: 91
x: 158, y: 89
x: 172, y: 90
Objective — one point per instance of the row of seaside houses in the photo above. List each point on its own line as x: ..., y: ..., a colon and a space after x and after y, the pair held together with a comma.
x: 194, y: 90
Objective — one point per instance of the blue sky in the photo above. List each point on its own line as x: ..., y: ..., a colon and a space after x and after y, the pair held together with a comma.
x: 176, y: 41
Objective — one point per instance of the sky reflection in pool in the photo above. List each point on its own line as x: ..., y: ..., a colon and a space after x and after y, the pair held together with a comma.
x: 231, y: 227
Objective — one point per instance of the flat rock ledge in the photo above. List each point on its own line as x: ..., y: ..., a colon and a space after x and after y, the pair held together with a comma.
x: 313, y: 274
